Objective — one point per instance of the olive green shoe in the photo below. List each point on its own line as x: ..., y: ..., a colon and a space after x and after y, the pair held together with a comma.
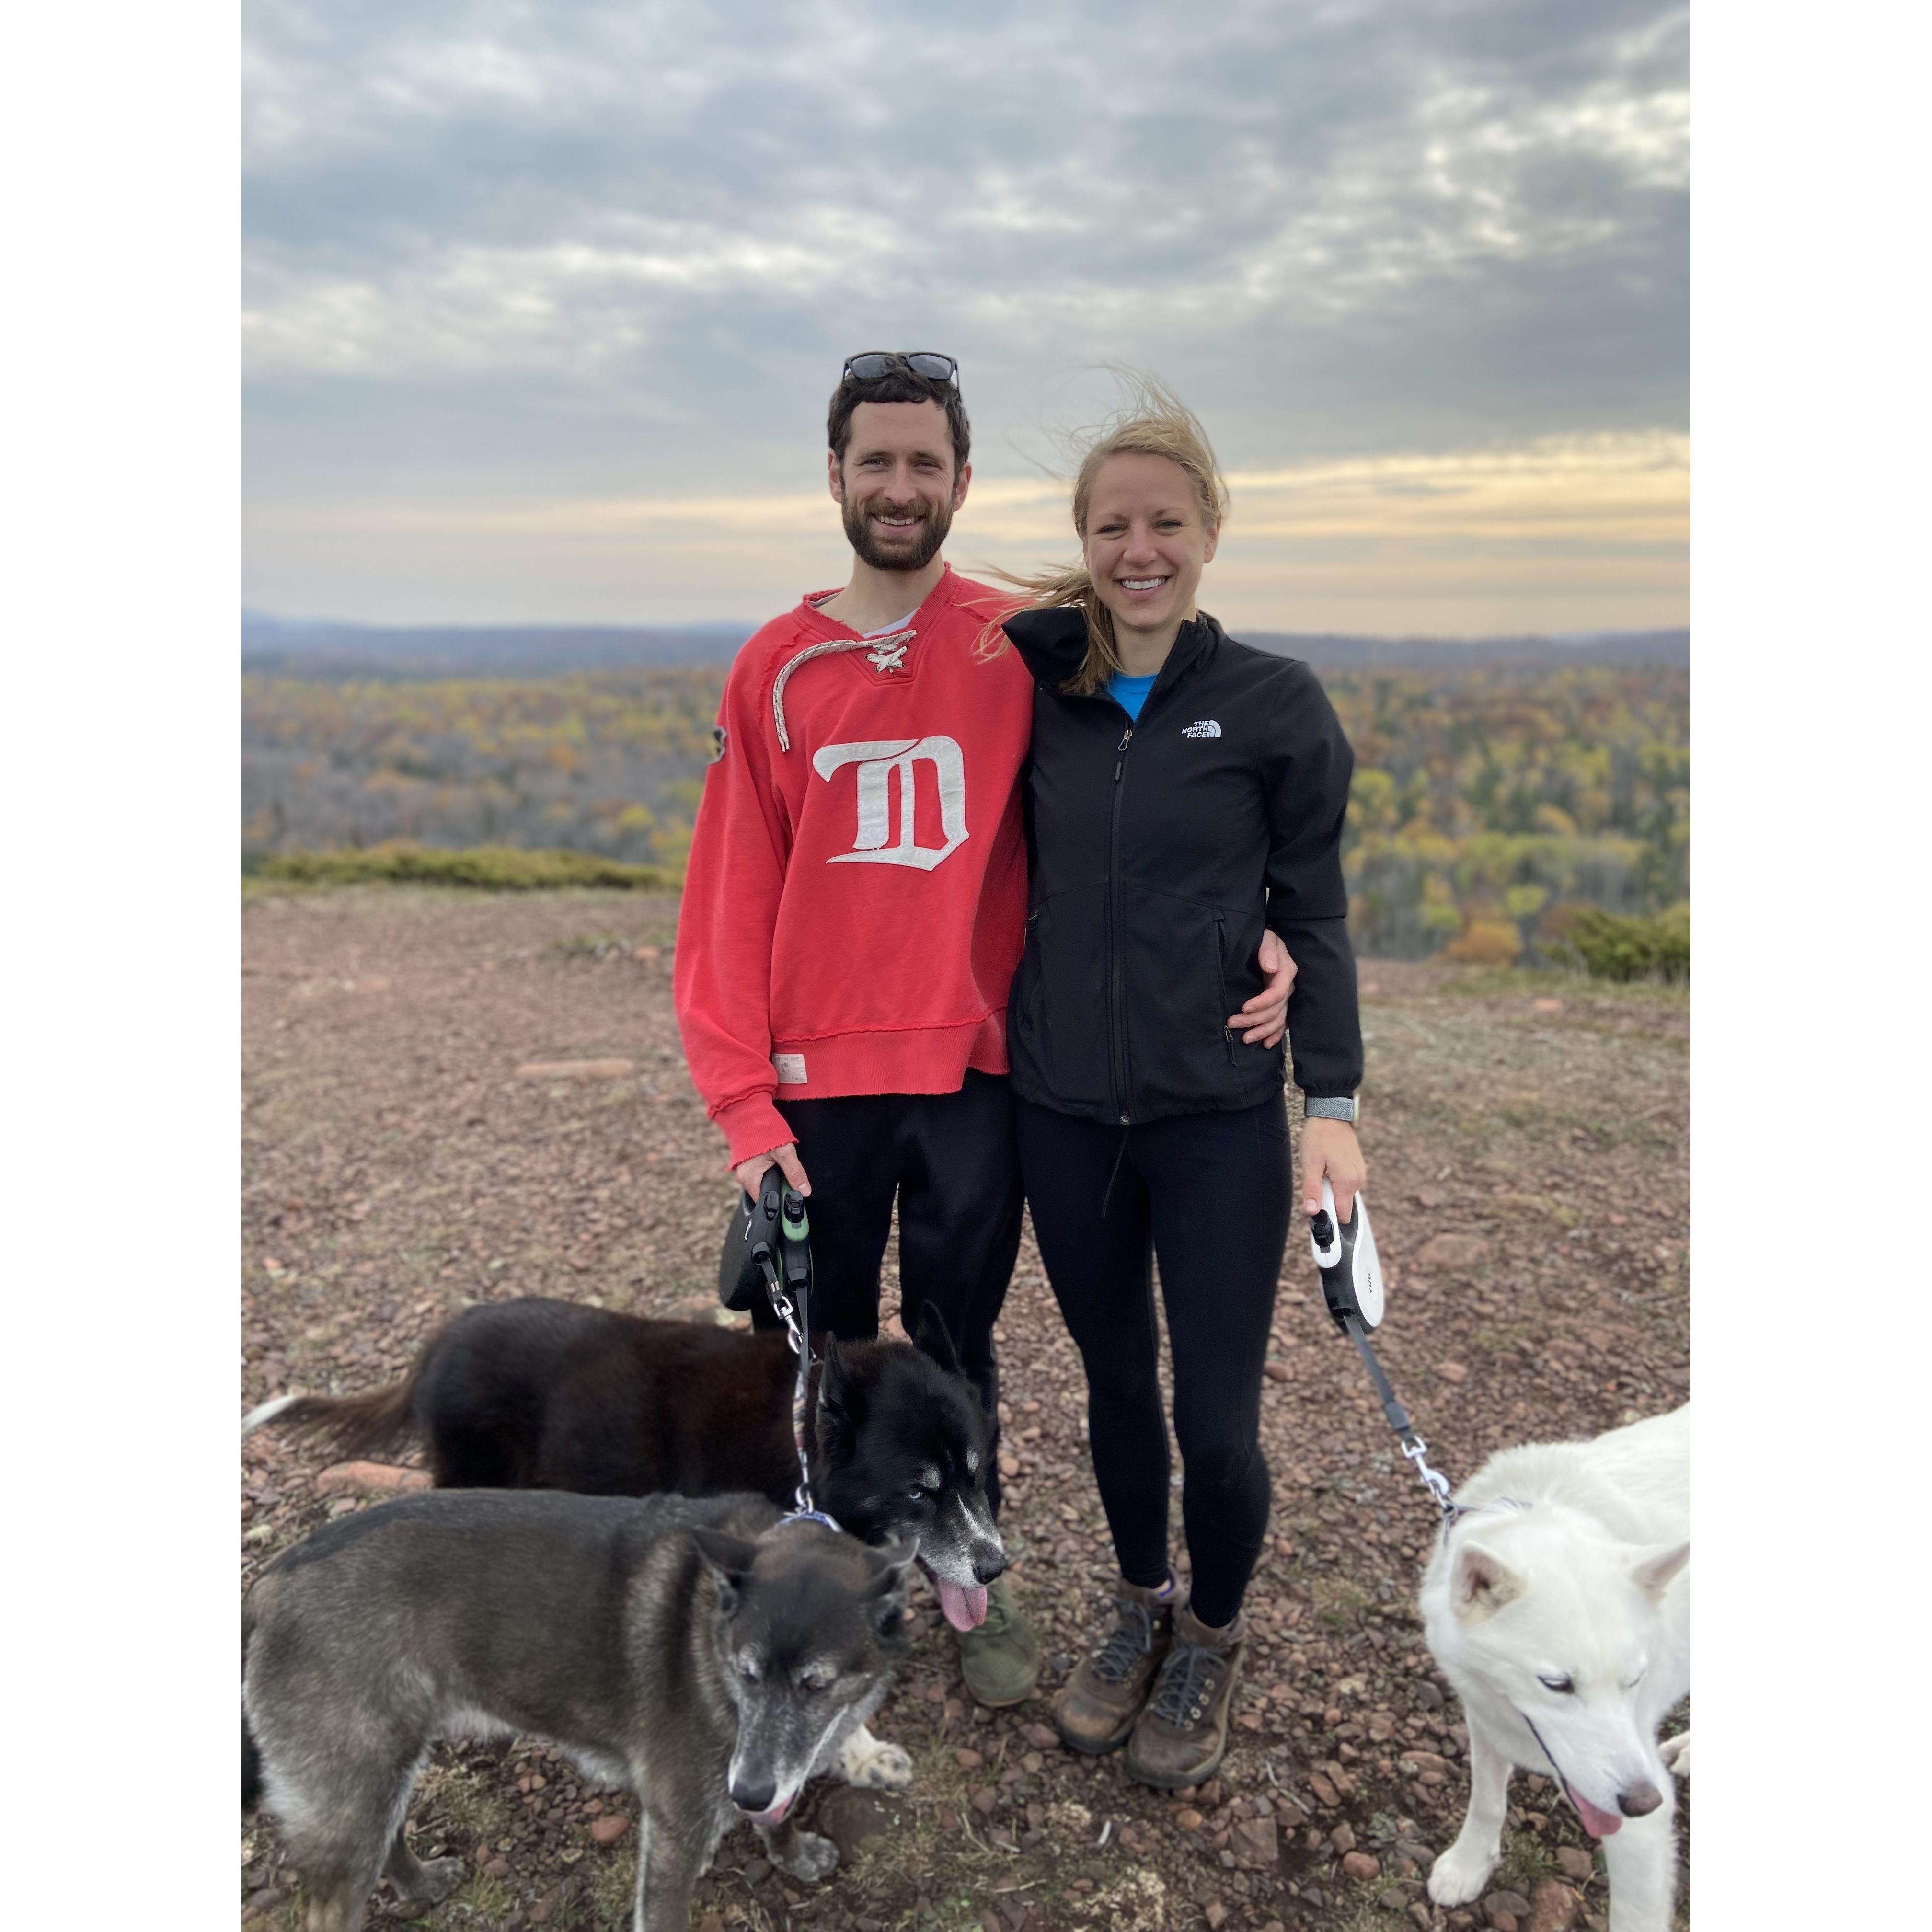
x: 1000, y: 1659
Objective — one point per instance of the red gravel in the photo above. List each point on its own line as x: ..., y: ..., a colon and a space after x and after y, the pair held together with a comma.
x: 410, y: 1146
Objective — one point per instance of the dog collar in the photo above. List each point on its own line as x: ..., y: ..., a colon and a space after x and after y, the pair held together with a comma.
x: 810, y: 1515
x: 1454, y: 1513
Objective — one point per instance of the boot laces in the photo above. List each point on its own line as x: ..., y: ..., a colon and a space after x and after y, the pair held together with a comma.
x: 1187, y: 1682
x: 1130, y: 1639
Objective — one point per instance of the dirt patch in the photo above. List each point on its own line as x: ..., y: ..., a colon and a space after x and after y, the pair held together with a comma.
x: 1528, y: 1172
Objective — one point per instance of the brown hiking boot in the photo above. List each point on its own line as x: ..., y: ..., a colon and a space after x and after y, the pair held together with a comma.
x: 1183, y: 1734
x: 1097, y: 1708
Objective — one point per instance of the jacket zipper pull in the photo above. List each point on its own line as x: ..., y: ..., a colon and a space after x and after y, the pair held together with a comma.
x: 1121, y: 747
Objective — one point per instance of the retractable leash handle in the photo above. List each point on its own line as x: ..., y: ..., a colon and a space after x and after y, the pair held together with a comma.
x: 748, y: 1266
x: 1352, y: 1272
x: 795, y: 1249
x: 1352, y: 1286
x: 768, y: 1251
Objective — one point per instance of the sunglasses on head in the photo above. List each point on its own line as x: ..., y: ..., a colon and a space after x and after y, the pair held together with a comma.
x: 877, y: 362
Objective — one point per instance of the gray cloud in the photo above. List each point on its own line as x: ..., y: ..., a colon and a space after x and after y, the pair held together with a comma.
x: 498, y: 250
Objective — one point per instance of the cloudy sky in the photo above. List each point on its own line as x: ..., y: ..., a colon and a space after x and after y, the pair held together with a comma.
x: 543, y: 301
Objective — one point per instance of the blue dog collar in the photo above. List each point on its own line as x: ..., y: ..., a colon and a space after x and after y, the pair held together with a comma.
x: 809, y: 1516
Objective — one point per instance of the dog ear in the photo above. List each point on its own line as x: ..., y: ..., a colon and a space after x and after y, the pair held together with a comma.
x: 1654, y: 1570
x: 892, y: 1563
x: 1481, y: 1582
x: 729, y: 1558
x: 836, y: 1388
x: 930, y: 1338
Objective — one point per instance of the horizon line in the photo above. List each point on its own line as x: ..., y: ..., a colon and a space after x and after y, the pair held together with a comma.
x: 481, y: 626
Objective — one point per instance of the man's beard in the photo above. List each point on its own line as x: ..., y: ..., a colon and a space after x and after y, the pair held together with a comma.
x: 926, y: 540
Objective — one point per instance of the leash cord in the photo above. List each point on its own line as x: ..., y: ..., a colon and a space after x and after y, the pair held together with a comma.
x: 798, y: 1333
x: 1413, y: 1446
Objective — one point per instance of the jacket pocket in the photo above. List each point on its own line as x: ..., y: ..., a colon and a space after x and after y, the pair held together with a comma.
x: 1257, y: 1068
x: 1179, y: 1058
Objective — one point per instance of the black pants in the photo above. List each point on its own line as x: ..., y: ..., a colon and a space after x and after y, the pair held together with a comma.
x: 950, y: 1159
x: 1210, y: 1194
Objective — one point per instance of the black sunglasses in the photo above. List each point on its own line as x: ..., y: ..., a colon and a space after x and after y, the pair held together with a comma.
x: 877, y: 362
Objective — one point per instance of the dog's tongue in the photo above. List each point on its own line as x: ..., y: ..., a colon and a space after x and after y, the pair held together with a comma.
x: 1598, y: 1824
x: 965, y: 1609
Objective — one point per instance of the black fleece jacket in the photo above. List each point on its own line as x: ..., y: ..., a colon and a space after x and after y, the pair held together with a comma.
x: 1161, y: 849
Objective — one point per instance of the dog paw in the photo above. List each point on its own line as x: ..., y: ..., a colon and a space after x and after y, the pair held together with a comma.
x: 434, y: 1880
x: 871, y: 1765
x: 1676, y: 1752
x: 809, y: 1857
x: 1457, y: 1876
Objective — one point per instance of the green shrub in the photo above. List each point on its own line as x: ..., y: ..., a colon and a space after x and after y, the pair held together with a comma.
x: 1610, y: 947
x: 492, y: 867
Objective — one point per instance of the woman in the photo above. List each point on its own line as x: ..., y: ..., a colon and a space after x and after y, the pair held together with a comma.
x: 1186, y: 795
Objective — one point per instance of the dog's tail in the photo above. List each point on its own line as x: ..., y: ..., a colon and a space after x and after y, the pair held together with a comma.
x: 251, y: 1769
x: 251, y: 1758
x: 355, y: 1424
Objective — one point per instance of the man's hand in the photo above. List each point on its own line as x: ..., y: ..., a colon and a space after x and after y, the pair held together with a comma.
x: 1263, y: 1020
x: 751, y: 1173
x: 1329, y: 1147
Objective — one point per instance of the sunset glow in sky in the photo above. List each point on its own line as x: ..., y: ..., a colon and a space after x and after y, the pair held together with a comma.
x: 543, y: 304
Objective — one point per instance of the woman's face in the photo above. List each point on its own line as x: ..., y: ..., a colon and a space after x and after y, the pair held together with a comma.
x: 1147, y: 543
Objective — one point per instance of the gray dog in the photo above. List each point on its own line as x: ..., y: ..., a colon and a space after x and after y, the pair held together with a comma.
x: 700, y: 1652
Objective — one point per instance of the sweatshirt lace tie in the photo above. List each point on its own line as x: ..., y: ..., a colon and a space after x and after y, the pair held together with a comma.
x: 887, y: 653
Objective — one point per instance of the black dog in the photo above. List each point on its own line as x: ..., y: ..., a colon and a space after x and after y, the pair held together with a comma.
x: 544, y: 1394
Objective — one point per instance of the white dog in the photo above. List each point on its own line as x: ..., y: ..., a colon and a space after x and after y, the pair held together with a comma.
x: 1559, y: 1610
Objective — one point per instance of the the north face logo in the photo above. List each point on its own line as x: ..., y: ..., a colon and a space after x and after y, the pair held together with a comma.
x: 877, y: 760
x: 1206, y: 728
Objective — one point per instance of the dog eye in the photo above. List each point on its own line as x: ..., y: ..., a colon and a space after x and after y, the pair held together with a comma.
x: 916, y: 1493
x: 1562, y: 1686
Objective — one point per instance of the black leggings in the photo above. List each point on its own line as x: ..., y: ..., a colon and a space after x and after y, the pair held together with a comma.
x: 1209, y: 1194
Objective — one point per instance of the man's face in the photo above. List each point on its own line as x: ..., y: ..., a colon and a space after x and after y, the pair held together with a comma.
x: 896, y: 489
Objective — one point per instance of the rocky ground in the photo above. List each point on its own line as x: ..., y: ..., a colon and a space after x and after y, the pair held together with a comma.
x: 454, y: 1098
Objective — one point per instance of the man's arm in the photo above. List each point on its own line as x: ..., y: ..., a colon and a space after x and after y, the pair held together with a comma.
x: 1310, y: 764
x: 722, y: 979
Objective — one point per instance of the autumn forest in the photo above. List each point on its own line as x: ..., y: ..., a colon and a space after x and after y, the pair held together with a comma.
x: 1488, y: 803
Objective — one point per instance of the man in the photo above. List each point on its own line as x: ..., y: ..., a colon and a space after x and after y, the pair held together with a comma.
x: 856, y: 904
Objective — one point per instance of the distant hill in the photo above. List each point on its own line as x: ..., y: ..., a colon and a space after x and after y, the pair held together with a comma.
x: 1333, y: 653
x: 320, y: 647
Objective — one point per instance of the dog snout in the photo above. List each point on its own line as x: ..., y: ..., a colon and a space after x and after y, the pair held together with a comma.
x: 988, y: 1565
x: 748, y: 1796
x: 1640, y: 1800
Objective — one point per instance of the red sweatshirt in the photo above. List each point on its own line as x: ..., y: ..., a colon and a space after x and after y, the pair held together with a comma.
x: 855, y: 903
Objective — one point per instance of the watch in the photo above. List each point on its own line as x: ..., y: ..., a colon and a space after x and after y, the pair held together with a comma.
x: 1332, y: 1107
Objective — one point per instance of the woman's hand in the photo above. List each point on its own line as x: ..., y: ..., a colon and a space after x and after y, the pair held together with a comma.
x: 1263, y: 1020
x: 1329, y: 1148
